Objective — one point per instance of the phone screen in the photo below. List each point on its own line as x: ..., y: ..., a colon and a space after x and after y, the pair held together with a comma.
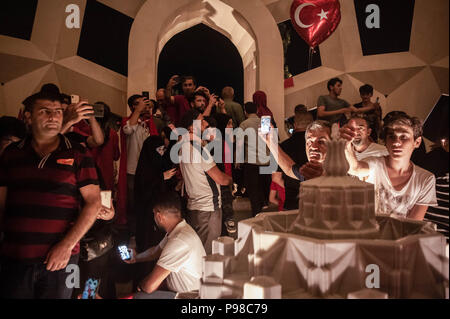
x: 106, y: 198
x: 124, y: 252
x: 265, y: 124
x: 90, y: 288
x: 146, y: 94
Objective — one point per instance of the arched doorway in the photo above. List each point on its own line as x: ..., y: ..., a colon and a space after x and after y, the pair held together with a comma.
x: 248, y: 24
x: 207, y: 55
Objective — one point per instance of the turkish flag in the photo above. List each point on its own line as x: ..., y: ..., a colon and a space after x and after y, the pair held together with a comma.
x: 315, y: 20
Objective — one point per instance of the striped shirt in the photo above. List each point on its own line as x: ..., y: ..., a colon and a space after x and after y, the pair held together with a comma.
x: 439, y: 214
x: 43, y: 197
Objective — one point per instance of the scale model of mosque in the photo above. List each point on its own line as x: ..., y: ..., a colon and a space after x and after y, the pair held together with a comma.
x: 335, y: 246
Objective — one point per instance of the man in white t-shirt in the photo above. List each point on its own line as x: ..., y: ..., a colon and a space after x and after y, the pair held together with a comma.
x: 202, y: 180
x: 180, y: 254
x: 401, y: 188
x: 137, y: 130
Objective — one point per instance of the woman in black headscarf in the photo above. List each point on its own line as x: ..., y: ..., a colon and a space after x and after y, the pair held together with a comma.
x: 153, y: 177
x: 225, y: 121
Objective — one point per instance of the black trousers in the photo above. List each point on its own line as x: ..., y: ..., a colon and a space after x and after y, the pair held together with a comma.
x: 257, y: 186
x: 33, y: 281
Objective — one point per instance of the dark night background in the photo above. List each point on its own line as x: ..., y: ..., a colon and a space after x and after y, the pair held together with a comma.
x: 203, y: 52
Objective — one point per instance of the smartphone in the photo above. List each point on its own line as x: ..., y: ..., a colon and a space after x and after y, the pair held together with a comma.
x: 99, y: 110
x: 90, y: 288
x: 265, y: 124
x: 74, y: 99
x: 125, y: 253
x: 106, y: 198
x: 377, y: 99
x: 291, y: 130
x: 146, y: 95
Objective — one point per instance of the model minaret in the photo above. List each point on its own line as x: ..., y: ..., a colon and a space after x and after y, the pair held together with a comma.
x: 335, y: 205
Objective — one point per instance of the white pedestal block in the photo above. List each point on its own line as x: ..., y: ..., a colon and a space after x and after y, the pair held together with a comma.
x: 215, y: 267
x: 223, y: 246
x: 262, y: 287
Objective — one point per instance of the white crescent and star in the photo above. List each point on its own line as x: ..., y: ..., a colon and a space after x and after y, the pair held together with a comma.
x: 322, y: 15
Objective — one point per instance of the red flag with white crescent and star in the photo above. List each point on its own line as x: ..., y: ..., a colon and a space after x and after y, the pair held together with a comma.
x: 315, y: 20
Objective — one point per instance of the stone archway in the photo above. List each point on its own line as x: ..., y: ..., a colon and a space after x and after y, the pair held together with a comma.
x: 248, y: 24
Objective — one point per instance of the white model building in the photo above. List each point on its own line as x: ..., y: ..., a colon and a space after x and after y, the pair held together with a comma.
x: 333, y: 247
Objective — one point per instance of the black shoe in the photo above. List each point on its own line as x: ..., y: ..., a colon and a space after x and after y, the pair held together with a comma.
x: 231, y: 227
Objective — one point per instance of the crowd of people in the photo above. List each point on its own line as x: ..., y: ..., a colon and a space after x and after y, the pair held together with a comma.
x: 75, y: 177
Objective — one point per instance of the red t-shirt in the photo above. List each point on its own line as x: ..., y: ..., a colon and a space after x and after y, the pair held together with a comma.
x: 281, y: 194
x: 181, y: 106
x: 104, y: 157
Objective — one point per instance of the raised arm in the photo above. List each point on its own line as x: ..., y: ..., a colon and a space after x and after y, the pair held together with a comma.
x: 74, y: 114
x: 97, y: 138
x: 284, y: 161
x: 212, y: 101
x: 168, y: 92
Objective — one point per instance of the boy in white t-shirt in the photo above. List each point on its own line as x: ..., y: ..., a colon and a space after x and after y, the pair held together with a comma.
x: 180, y: 254
x: 401, y: 188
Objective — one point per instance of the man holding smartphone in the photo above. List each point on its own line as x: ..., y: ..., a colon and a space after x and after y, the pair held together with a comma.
x: 179, y: 254
x: 257, y: 185
x: 137, y: 128
x: 180, y: 103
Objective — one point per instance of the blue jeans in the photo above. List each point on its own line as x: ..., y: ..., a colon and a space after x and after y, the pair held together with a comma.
x: 33, y: 281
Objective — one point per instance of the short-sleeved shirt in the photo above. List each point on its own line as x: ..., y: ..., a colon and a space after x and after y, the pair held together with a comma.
x: 203, y: 192
x: 182, y: 254
x: 43, y: 197
x: 136, y: 135
x: 251, y: 146
x: 332, y: 105
x: 236, y: 112
x: 419, y: 190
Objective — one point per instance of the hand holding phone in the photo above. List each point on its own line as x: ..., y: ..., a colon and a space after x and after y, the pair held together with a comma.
x: 126, y: 254
x: 265, y: 124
